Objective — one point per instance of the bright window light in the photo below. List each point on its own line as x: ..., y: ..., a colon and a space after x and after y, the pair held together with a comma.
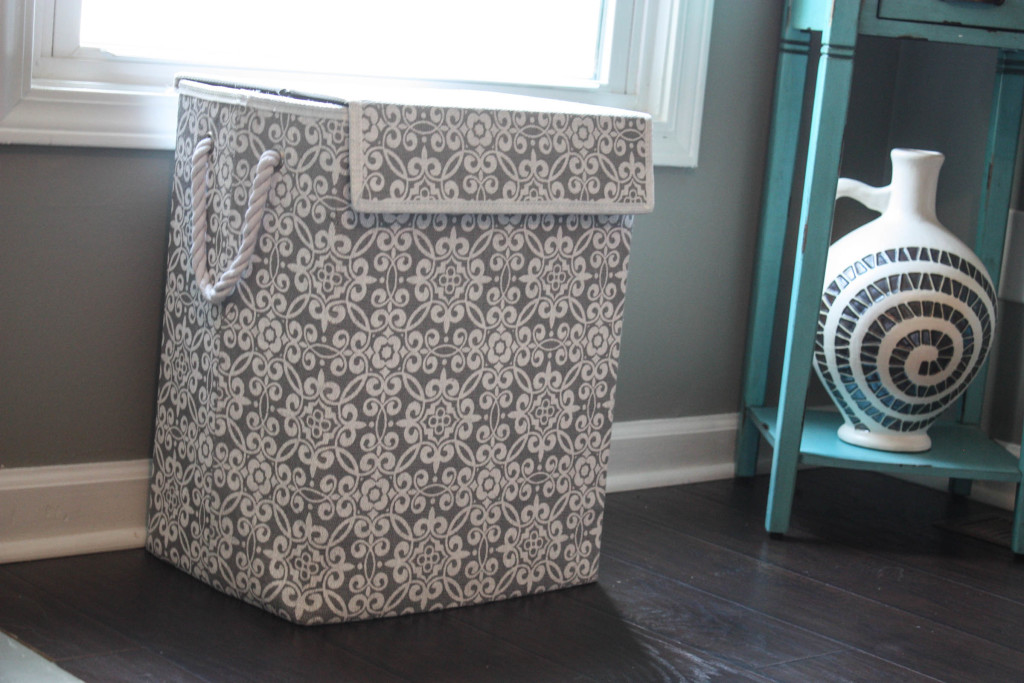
x: 539, y: 42
x: 101, y: 72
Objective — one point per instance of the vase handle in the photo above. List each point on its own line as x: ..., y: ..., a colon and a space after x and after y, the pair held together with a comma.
x: 875, y: 198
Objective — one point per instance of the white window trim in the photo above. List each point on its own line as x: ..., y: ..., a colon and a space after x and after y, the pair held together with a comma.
x: 669, y: 84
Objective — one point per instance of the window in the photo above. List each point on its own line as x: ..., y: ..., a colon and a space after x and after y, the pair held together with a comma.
x: 260, y: 36
x: 98, y: 72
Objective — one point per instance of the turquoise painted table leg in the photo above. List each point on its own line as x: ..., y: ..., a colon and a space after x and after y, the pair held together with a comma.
x: 960, y: 487
x: 783, y: 140
x: 828, y: 119
x: 1000, y: 156
x: 1017, y: 540
x: 1000, y: 159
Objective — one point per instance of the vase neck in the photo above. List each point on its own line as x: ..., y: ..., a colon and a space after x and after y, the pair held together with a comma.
x: 915, y: 178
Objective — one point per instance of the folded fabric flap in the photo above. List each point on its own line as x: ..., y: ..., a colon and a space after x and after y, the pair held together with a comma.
x: 474, y: 152
x: 412, y: 158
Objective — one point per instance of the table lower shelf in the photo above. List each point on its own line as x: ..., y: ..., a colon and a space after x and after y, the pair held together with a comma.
x: 958, y: 451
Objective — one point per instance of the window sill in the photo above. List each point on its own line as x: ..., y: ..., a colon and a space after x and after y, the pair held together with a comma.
x: 36, y: 110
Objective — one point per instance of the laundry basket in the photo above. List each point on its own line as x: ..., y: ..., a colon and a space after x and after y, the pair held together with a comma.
x: 390, y: 341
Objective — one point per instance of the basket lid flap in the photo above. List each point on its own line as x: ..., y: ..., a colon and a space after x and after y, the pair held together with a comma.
x: 456, y: 151
x: 420, y: 158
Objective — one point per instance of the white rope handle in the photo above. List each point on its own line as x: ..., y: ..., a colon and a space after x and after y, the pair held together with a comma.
x: 216, y: 290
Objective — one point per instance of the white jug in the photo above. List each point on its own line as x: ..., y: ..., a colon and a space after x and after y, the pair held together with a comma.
x: 907, y: 312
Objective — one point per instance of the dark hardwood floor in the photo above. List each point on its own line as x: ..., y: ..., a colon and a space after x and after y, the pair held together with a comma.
x: 866, y: 587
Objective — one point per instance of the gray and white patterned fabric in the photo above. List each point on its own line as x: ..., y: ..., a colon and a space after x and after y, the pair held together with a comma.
x: 446, y: 160
x: 392, y: 413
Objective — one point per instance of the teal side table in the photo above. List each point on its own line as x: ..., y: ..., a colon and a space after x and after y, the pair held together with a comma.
x: 961, y: 450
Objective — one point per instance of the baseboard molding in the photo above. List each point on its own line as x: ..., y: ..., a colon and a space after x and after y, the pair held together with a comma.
x: 652, y: 453
x: 72, y: 509
x: 1000, y: 494
x: 77, y: 509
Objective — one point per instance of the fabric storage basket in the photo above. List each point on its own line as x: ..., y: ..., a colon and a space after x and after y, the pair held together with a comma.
x: 390, y: 343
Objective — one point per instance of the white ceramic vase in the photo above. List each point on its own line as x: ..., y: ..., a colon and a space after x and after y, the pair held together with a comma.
x: 907, y: 312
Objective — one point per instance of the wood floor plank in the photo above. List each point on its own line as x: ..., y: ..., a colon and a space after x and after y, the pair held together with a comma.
x: 886, y: 579
x: 128, y: 666
x: 438, y: 646
x: 882, y: 631
x: 195, y: 627
x: 597, y: 642
x: 691, y: 588
x: 843, y: 667
x: 229, y: 638
x: 699, y: 619
x: 889, y: 518
x: 49, y: 626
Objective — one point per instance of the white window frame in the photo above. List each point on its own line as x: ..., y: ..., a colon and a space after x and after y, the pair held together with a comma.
x: 66, y: 100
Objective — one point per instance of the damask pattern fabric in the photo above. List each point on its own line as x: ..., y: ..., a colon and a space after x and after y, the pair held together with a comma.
x: 393, y: 412
x: 442, y: 159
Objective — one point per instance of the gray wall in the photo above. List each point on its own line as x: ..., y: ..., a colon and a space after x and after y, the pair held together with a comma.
x: 82, y: 241
x: 689, y: 271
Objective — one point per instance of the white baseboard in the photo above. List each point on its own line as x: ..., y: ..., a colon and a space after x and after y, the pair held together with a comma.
x: 76, y: 509
x: 683, y: 450
x: 72, y: 509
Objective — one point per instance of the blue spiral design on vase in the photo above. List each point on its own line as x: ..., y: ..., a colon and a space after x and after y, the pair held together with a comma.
x: 913, y: 328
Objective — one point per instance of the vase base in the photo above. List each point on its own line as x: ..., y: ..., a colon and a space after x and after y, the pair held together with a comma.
x: 902, y: 443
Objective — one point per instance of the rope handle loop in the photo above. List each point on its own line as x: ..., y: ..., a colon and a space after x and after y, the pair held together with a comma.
x: 217, y: 289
